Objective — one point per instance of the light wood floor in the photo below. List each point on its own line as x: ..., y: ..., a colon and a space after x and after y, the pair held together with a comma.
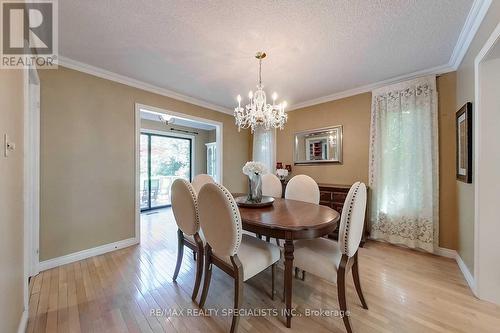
x: 406, y: 291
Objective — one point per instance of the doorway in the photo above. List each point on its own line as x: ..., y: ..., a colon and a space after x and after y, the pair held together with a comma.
x: 163, y: 159
x: 31, y: 177
x: 157, y: 166
x: 486, y: 165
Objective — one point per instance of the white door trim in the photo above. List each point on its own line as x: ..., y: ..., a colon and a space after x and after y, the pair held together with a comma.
x: 218, y: 137
x: 490, y: 43
x: 137, y: 174
x: 219, y: 127
x: 31, y: 175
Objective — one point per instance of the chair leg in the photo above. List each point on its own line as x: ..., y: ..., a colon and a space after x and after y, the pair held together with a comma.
x: 208, y: 275
x: 180, y: 253
x: 273, y: 274
x: 284, y: 292
x: 238, y: 292
x: 357, y: 282
x: 297, y: 270
x: 199, y: 266
x: 341, y: 274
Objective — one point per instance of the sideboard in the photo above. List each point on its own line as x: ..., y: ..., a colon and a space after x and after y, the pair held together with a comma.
x: 334, y: 196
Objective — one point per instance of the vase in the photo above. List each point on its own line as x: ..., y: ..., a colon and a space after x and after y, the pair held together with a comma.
x: 255, y: 188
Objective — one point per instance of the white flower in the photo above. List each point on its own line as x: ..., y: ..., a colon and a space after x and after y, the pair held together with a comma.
x: 282, y: 173
x: 254, y: 168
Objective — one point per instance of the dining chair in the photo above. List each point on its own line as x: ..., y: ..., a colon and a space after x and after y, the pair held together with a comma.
x: 185, y: 209
x: 238, y: 255
x: 302, y: 188
x: 331, y: 260
x: 271, y: 186
x: 200, y: 180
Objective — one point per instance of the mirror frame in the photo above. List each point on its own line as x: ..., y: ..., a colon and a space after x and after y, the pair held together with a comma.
x: 311, y: 131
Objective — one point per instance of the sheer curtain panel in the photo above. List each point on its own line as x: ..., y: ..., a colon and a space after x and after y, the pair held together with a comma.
x: 404, y: 164
x: 264, y: 148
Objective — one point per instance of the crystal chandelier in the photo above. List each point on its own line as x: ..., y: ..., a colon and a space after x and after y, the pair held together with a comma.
x: 258, y: 112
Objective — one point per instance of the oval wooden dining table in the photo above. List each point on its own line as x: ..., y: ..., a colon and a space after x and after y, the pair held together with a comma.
x: 289, y: 220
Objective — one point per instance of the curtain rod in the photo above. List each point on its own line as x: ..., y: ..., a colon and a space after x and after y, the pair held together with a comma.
x: 183, y: 131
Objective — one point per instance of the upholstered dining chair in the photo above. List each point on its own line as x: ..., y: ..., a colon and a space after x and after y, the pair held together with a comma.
x: 332, y: 260
x: 302, y: 188
x: 240, y: 256
x: 185, y: 209
x: 271, y: 186
x: 200, y: 180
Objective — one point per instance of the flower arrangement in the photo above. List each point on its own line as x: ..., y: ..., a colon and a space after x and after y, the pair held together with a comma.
x: 282, y: 173
x: 254, y: 171
x: 254, y: 168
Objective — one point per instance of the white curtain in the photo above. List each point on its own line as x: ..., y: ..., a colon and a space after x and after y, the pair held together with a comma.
x: 404, y: 164
x: 264, y: 148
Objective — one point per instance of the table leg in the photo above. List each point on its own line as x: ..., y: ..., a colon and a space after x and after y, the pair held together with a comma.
x: 288, y: 280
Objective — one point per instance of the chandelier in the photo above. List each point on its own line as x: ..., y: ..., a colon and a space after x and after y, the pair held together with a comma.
x: 258, y: 113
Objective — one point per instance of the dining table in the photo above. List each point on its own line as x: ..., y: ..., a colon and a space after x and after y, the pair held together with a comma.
x: 289, y: 220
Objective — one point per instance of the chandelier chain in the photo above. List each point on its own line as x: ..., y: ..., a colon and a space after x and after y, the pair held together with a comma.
x: 260, y: 72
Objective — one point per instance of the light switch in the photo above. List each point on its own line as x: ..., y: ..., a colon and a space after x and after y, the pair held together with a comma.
x: 8, y: 146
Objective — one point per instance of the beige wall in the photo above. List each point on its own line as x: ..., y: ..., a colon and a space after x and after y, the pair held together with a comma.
x: 354, y: 114
x: 87, y: 158
x: 11, y: 201
x: 448, y: 226
x: 212, y: 136
x: 465, y: 93
x: 200, y: 139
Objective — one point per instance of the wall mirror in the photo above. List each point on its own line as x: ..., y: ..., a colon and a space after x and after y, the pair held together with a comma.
x: 322, y: 145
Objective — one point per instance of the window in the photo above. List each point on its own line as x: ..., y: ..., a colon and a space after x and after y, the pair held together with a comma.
x: 162, y: 160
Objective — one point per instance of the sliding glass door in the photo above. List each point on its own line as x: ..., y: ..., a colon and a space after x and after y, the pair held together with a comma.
x: 163, y: 159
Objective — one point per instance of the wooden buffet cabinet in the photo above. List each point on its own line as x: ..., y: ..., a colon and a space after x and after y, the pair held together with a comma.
x: 334, y: 196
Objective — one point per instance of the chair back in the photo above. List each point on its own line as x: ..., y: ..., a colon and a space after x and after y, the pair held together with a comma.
x: 271, y: 185
x: 200, y: 180
x: 185, y: 206
x: 220, y: 219
x: 302, y: 188
x: 352, y: 219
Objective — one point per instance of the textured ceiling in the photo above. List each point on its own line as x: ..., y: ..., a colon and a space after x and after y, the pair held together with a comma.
x: 205, y: 49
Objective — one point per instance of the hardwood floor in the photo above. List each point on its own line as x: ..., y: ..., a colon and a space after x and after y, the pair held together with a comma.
x: 406, y: 291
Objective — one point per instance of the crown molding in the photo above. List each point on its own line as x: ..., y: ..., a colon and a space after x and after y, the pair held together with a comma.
x: 369, y: 87
x: 472, y: 23
x: 112, y: 76
x: 474, y: 19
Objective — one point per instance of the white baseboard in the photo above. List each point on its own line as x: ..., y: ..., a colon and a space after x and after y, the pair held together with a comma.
x: 465, y: 271
x: 84, y: 254
x: 23, y: 323
x: 443, y: 252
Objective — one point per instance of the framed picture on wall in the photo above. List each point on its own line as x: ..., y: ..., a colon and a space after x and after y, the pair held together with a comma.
x: 464, y: 143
